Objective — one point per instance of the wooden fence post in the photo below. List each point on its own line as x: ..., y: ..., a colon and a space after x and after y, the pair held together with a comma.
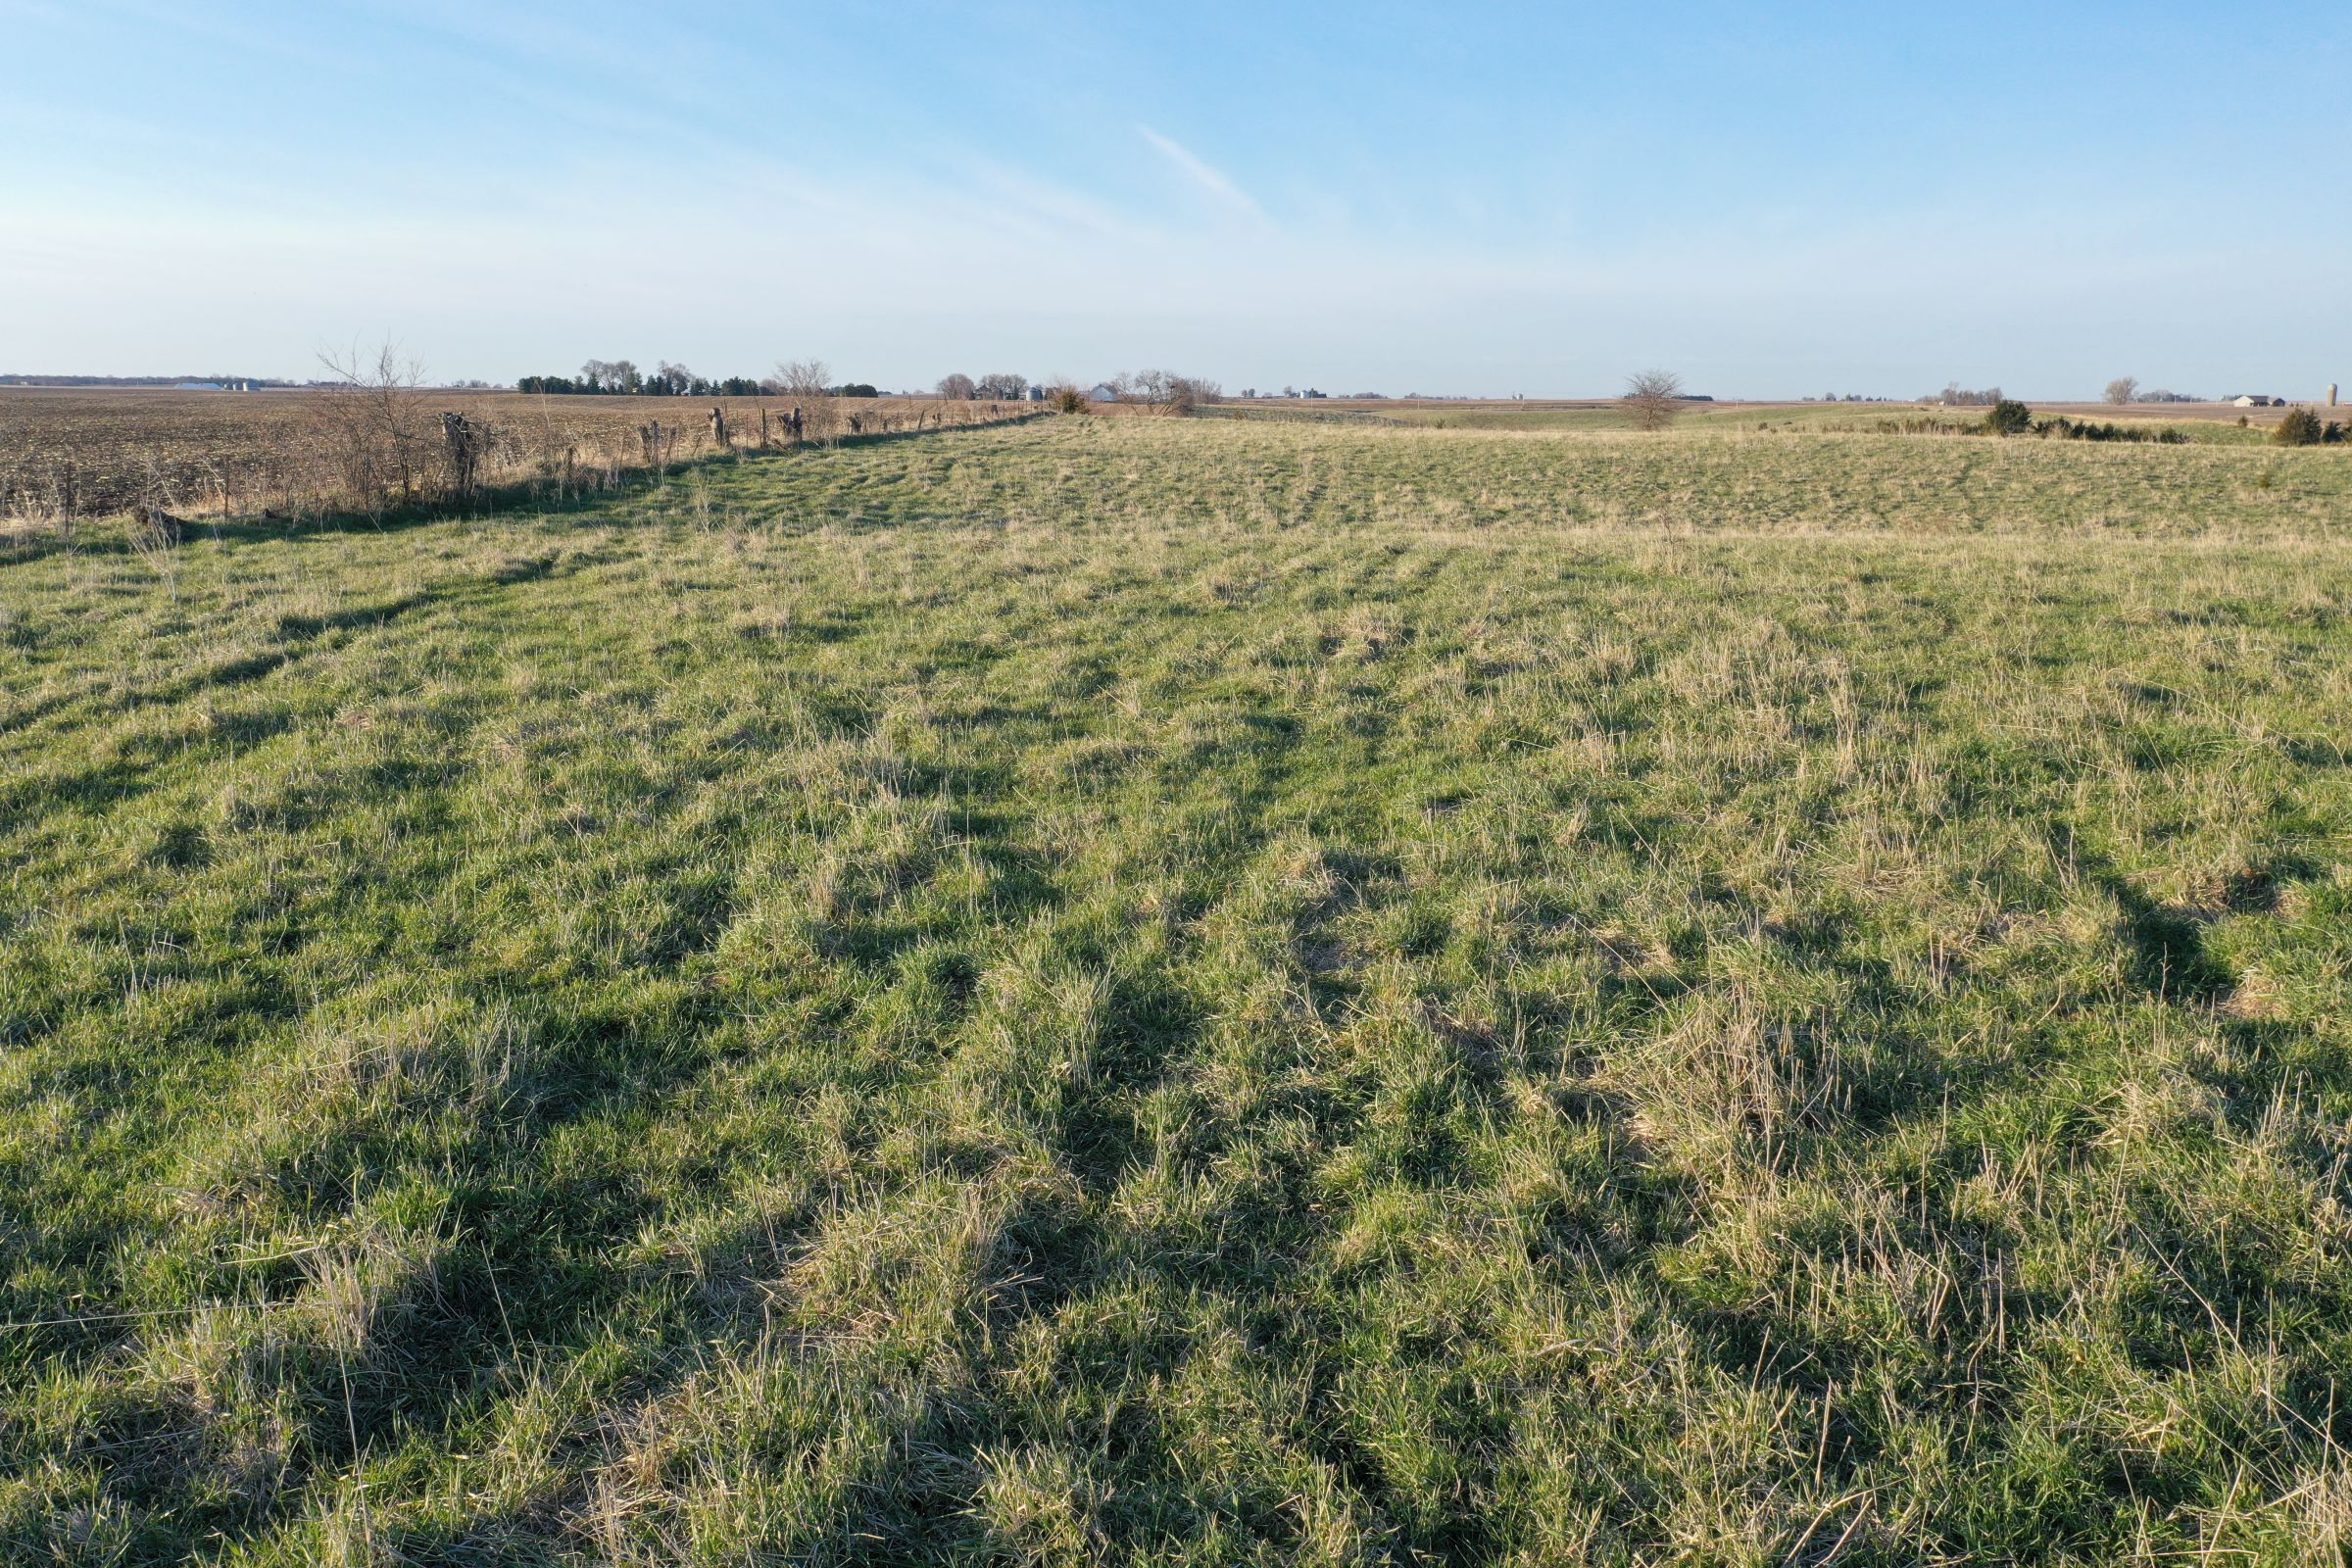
x: 465, y: 445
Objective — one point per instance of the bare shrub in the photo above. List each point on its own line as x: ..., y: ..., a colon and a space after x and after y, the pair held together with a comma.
x: 1164, y: 391
x: 808, y: 384
x: 658, y: 446
x: 1654, y: 399
x: 370, y: 424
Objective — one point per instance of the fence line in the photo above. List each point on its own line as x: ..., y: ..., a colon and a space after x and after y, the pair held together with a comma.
x: 306, y: 462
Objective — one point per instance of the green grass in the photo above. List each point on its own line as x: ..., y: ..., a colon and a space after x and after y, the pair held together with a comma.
x: 1180, y: 992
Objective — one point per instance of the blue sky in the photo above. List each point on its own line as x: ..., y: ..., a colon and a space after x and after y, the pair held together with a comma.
x: 1771, y: 200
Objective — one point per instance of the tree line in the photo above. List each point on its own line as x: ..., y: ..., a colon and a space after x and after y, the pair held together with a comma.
x: 622, y: 379
x: 1160, y: 389
x: 1001, y: 387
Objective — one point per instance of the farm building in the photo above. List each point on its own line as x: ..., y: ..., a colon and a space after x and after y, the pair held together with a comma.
x: 2253, y: 400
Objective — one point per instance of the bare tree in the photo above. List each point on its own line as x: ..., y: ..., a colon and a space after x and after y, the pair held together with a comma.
x: 1654, y: 399
x: 815, y: 415
x: 1003, y: 386
x: 372, y: 424
x: 804, y: 377
x: 1182, y: 394
x: 957, y: 388
x: 2123, y: 389
x: 1164, y: 391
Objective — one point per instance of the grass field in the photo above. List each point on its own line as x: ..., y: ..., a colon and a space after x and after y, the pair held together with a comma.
x: 82, y: 452
x: 2211, y: 422
x: 1153, y: 991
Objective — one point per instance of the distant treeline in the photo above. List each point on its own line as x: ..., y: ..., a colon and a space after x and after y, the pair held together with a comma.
x: 733, y: 386
x: 622, y: 378
x: 1956, y: 396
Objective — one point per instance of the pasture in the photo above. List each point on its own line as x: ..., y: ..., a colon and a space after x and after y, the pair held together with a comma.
x: 2213, y: 422
x: 1167, y: 990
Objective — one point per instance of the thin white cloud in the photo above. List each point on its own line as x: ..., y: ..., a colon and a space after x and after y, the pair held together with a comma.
x: 1208, y: 177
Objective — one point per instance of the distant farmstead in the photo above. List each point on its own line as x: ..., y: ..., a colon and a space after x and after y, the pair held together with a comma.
x: 2255, y: 399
